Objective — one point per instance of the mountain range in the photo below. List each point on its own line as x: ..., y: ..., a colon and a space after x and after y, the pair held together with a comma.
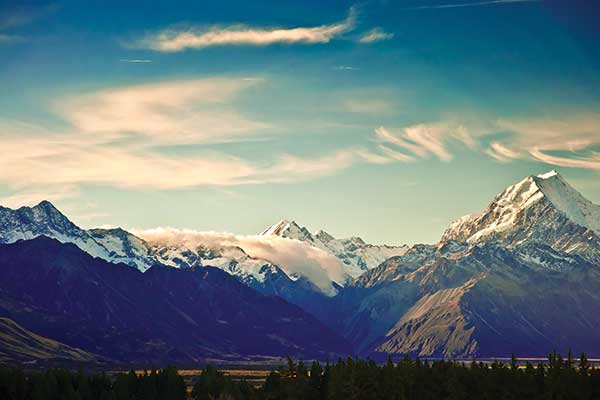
x: 522, y: 276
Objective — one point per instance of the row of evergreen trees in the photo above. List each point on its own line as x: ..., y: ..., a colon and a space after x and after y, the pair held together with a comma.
x: 409, y: 379
x: 62, y: 384
x: 556, y: 379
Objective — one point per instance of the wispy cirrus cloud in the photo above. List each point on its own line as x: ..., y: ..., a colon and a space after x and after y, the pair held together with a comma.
x: 115, y: 137
x: 471, y: 4
x: 567, y: 141
x: 181, y: 111
x: 423, y: 140
x: 177, y: 39
x: 375, y: 35
x: 501, y: 153
x: 136, y: 60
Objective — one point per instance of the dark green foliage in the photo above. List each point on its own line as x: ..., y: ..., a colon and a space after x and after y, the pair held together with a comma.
x: 61, y: 384
x: 351, y: 379
x: 355, y: 379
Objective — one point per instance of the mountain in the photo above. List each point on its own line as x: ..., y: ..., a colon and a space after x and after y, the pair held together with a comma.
x: 119, y: 246
x: 160, y: 316
x: 356, y: 255
x: 544, y: 209
x: 259, y: 274
x: 114, y: 245
x: 521, y: 277
x: 23, y: 346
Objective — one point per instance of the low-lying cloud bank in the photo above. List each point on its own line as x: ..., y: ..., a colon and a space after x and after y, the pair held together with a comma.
x: 292, y: 256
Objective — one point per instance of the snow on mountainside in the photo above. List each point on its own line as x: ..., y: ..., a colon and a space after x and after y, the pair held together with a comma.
x: 248, y: 256
x: 44, y: 219
x: 113, y: 245
x: 124, y: 247
x: 542, y: 208
x: 272, y: 265
x: 356, y: 255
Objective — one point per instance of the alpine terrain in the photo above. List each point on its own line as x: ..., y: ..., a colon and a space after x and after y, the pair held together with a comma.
x: 522, y: 277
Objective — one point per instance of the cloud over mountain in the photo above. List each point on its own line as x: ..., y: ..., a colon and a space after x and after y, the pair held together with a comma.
x: 293, y: 256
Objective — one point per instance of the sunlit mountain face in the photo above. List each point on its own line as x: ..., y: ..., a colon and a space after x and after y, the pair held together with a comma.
x: 242, y: 181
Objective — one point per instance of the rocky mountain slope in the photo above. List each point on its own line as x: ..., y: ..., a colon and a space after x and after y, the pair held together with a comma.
x: 521, y: 277
x: 162, y: 315
x: 23, y: 346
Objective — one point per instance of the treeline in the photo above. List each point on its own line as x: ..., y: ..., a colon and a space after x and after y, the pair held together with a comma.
x: 62, y: 384
x: 557, y: 379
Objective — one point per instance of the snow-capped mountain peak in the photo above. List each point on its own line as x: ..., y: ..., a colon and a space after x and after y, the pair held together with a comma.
x: 356, y: 255
x: 568, y: 200
x: 288, y: 229
x: 543, y: 208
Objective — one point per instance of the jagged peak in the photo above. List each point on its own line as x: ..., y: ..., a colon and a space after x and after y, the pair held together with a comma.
x: 504, y: 210
x: 323, y: 236
x: 283, y: 227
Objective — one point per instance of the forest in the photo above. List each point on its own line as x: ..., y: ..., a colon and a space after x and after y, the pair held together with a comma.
x: 409, y: 379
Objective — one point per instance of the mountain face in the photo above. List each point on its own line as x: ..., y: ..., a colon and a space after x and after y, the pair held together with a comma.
x: 261, y: 275
x: 114, y: 245
x: 163, y: 315
x: 522, y: 277
x: 543, y: 209
x: 356, y: 255
x: 119, y: 246
x: 23, y: 346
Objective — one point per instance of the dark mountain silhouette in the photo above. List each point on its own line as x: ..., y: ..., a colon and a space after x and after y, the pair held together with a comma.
x: 164, y: 315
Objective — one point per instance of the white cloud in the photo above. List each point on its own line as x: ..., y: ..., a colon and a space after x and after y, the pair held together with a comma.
x: 99, y: 147
x: 591, y: 162
x: 290, y: 168
x: 375, y: 35
x: 574, y: 136
x: 173, y: 40
x: 184, y: 111
x: 501, y: 153
x: 423, y: 140
x: 293, y: 256
x: 568, y: 141
x: 136, y: 60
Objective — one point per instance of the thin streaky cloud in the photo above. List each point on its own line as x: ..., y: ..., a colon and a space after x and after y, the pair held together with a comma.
x: 375, y: 35
x: 174, y: 40
x: 135, y: 60
x: 345, y: 68
x: 475, y: 4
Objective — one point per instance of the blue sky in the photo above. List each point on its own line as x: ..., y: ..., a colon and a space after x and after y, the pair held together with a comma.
x: 384, y: 119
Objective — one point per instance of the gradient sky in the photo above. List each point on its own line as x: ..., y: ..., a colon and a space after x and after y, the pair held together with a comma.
x: 384, y: 119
